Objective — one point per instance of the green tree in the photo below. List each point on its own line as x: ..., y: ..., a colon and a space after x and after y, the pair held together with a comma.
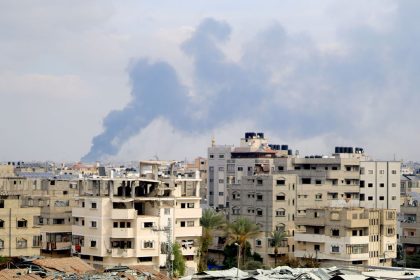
x: 179, y: 261
x: 240, y: 231
x: 277, y: 238
x: 210, y: 221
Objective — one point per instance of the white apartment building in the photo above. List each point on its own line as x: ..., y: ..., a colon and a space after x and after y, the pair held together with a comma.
x: 347, y: 236
x: 227, y: 164
x: 126, y: 221
x: 347, y: 178
x: 380, y: 184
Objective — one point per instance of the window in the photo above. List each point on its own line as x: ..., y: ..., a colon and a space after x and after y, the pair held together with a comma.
x: 167, y: 211
x: 148, y: 244
x: 317, y: 247
x: 148, y: 225
x: 370, y: 197
x: 362, y: 197
x: 394, y: 185
x: 381, y: 197
x: 370, y: 185
x: 259, y: 182
x: 318, y: 182
x: 83, y: 204
x: 335, y: 249
x: 394, y: 197
x: 259, y: 197
x: 221, y: 156
x: 93, y: 224
x: 240, y: 168
x: 221, y: 193
x: 362, y: 183
x: 236, y: 196
x: 362, y: 170
x: 281, y: 197
x: 335, y: 232
x: 93, y: 205
x: 36, y: 241
x: 306, y: 181
x: 1, y: 244
x: 1, y: 203
x: 221, y: 181
x: 259, y: 212
x: 21, y: 243
x: 381, y: 185
x: 318, y: 196
x: 93, y: 243
x: 370, y: 171
x: 258, y: 243
x: 381, y: 171
x: 22, y: 223
x: 236, y: 210
x: 211, y: 156
x: 221, y: 168
x: 145, y: 259
x: 280, y: 212
x: 354, y: 232
x: 394, y: 172
x: 115, y: 224
x: 281, y: 182
x: 1, y: 224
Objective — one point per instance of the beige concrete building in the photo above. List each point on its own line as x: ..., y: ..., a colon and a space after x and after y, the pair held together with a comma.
x: 347, y: 236
x: 254, y: 173
x: 19, y: 233
x: 270, y: 201
x: 55, y: 198
x: 132, y: 221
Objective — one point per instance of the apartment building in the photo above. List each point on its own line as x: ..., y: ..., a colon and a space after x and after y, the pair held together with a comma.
x: 227, y: 164
x: 380, y: 184
x: 347, y: 236
x: 55, y: 198
x: 19, y: 233
x: 270, y: 201
x: 254, y: 173
x: 348, y: 174
x: 126, y: 221
x: 200, y: 164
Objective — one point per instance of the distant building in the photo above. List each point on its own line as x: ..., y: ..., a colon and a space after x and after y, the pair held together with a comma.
x: 347, y: 236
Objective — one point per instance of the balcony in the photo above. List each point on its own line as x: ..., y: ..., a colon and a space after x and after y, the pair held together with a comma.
x: 356, y: 223
x: 331, y: 256
x: 122, y: 233
x: 188, y: 231
x: 280, y: 250
x: 304, y: 221
x: 320, y: 238
x: 123, y: 214
x: 341, y: 174
x: 188, y: 213
x: 307, y: 237
x: 410, y: 240
x: 123, y: 253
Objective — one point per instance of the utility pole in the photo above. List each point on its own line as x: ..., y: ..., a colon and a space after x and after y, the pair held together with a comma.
x: 169, y: 247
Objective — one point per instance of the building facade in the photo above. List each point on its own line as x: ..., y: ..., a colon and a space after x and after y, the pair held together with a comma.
x: 134, y: 221
x: 347, y: 236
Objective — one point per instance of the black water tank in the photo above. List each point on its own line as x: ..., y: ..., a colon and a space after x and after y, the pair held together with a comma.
x: 337, y: 150
x: 290, y: 152
x: 284, y: 147
x: 350, y: 150
x: 260, y: 134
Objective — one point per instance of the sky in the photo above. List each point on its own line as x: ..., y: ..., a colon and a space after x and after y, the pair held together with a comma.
x: 121, y: 81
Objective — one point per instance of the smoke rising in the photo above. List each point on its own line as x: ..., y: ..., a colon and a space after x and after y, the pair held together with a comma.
x: 283, y: 82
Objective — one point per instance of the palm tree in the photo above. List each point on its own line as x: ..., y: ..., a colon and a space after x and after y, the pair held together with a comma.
x: 276, y: 242
x: 210, y: 221
x: 240, y: 231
